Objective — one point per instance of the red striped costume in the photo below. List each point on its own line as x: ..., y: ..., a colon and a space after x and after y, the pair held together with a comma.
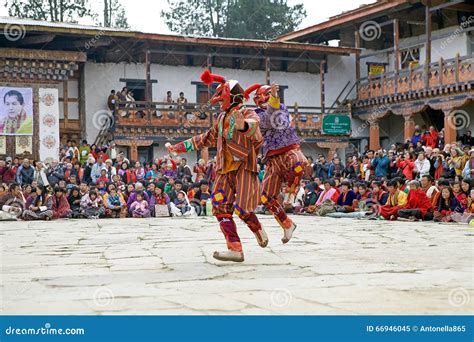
x: 284, y: 161
x: 236, y: 187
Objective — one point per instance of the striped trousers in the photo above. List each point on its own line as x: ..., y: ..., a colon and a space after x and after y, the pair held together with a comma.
x: 287, y: 167
x: 237, y: 191
x: 281, y: 168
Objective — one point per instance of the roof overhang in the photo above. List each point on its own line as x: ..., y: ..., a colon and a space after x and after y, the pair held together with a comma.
x: 347, y: 17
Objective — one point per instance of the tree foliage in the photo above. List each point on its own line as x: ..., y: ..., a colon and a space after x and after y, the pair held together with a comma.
x: 251, y: 19
x: 114, y: 14
x: 50, y: 10
x: 68, y: 11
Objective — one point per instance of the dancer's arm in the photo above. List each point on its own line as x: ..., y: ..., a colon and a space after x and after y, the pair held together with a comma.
x: 278, y: 113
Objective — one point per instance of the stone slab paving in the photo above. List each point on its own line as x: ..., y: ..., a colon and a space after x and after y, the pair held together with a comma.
x: 164, y: 266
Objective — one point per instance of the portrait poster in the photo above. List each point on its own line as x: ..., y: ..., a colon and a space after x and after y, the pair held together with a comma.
x: 16, y: 111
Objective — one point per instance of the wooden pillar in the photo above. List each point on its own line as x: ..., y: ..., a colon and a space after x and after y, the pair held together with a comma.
x: 134, y: 151
x: 82, y: 100
x: 66, y: 107
x: 205, y: 154
x: 449, y: 127
x: 148, y: 95
x: 209, y: 67
x: 267, y: 70
x: 357, y: 60
x: 374, y: 137
x: 427, y: 43
x: 321, y: 75
x: 409, y: 126
x: 396, y: 48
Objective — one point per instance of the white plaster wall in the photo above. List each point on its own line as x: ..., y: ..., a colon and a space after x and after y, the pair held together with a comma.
x: 303, y: 88
x: 446, y: 47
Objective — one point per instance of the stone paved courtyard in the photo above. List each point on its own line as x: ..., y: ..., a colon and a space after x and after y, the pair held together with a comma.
x: 164, y: 266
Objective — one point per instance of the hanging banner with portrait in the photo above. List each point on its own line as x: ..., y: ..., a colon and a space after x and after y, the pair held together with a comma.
x: 16, y: 111
x: 48, y: 124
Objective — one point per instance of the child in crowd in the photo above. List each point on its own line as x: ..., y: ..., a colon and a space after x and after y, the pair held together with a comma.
x: 139, y: 207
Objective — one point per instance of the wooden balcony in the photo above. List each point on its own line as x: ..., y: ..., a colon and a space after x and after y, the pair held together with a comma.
x: 143, y: 120
x: 442, y: 77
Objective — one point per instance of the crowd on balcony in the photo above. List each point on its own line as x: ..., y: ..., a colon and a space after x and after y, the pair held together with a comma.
x: 421, y: 179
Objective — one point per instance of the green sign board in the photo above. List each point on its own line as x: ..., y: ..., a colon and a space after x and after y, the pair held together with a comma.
x: 336, y: 124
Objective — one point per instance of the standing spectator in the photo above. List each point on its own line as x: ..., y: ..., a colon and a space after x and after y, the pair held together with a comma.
x: 200, y: 169
x: 110, y: 170
x: 25, y: 173
x: 55, y: 173
x: 467, y: 139
x: 97, y: 169
x: 468, y: 171
x: 380, y: 163
x: 169, y: 98
x: 9, y: 172
x: 181, y: 100
x: 111, y: 100
x: 183, y: 169
x: 39, y: 174
x: 430, y: 138
x: 422, y: 165
x: 406, y: 165
x: 417, y: 135
x: 84, y: 151
x: 459, y: 159
x: 336, y: 168
x: 88, y: 170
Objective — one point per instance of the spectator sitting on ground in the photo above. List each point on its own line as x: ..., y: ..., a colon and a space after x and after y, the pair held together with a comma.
x: 418, y: 205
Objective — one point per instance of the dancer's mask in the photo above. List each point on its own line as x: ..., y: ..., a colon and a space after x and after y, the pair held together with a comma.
x: 262, y: 94
x: 227, y: 92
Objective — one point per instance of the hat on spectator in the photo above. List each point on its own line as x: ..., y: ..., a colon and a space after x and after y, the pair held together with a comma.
x: 8, y: 159
x: 108, y: 161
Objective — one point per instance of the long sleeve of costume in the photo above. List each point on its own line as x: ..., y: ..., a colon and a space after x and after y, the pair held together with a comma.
x: 200, y: 141
x: 251, y: 130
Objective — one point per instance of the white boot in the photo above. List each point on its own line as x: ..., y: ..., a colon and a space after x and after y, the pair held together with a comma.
x: 288, y: 233
x: 262, y: 237
x: 229, y: 256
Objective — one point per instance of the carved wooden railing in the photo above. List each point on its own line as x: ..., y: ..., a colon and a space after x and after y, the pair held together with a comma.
x: 163, y: 118
x: 455, y: 71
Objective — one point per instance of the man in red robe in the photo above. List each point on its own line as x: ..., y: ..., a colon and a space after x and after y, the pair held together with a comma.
x: 418, y: 206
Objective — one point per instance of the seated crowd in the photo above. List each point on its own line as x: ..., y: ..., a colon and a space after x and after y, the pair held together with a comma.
x: 422, y: 179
